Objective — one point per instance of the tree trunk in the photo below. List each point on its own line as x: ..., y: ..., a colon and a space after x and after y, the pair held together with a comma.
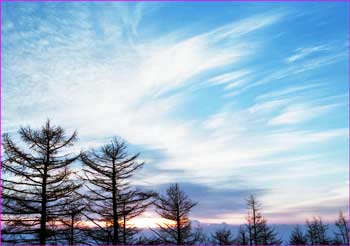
x: 254, y: 224
x: 346, y: 234
x: 124, y: 224
x: 250, y: 232
x: 44, y: 202
x: 72, y: 230
x: 179, y: 240
x: 115, y: 212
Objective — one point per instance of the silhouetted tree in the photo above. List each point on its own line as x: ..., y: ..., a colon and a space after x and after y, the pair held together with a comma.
x: 175, y: 206
x: 222, y: 236
x: 259, y: 232
x: 242, y: 237
x: 297, y: 237
x: 342, y: 226
x: 317, y: 232
x: 254, y: 218
x: 107, y: 173
x: 36, y: 183
x: 267, y: 234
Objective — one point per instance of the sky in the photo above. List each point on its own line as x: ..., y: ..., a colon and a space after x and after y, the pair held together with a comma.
x: 225, y: 98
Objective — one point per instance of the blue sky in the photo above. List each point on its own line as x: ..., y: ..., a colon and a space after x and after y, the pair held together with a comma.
x: 224, y: 98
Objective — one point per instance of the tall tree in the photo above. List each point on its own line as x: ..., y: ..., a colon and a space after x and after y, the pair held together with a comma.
x: 297, y: 237
x: 317, y: 232
x: 254, y: 218
x: 222, y: 236
x: 175, y: 206
x: 259, y: 231
x: 36, y: 182
x: 343, y: 230
x: 107, y: 172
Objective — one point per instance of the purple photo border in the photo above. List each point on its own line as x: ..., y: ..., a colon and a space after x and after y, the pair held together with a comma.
x: 1, y: 98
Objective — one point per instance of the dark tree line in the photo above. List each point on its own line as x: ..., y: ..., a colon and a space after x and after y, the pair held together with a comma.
x: 256, y: 231
x: 318, y: 233
x: 45, y: 202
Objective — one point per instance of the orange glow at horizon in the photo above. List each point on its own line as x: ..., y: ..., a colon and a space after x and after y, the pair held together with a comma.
x: 148, y: 220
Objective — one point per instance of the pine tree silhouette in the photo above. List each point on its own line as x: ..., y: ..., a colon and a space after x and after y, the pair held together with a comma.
x: 36, y: 181
x: 297, y: 237
x: 259, y: 232
x: 175, y: 206
x: 112, y: 201
x: 343, y: 230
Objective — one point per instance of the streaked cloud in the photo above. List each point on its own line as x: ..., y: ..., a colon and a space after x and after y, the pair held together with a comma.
x: 301, y: 53
x: 300, y: 113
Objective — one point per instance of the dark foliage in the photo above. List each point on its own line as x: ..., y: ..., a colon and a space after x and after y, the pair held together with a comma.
x: 317, y: 232
x: 175, y: 206
x: 112, y: 201
x: 259, y: 232
x: 343, y: 231
x: 297, y: 237
x: 36, y: 182
x: 222, y: 236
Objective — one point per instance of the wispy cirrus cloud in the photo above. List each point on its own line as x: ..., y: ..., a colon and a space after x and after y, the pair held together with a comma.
x: 301, y: 53
x: 300, y: 113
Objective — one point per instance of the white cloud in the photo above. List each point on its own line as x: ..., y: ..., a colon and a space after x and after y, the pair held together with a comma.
x: 295, y: 70
x: 245, y: 26
x: 267, y: 106
x: 300, y: 113
x: 230, y: 80
x: 304, y: 52
x: 290, y: 91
